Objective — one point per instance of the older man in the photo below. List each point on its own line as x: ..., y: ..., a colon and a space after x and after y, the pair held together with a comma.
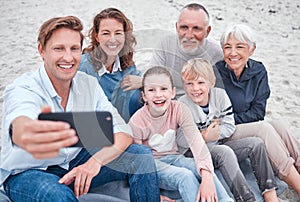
x: 191, y: 41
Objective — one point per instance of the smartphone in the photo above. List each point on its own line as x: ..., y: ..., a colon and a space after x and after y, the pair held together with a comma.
x: 93, y: 128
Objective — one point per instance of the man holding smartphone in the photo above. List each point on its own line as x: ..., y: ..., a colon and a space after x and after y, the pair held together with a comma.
x: 36, y: 153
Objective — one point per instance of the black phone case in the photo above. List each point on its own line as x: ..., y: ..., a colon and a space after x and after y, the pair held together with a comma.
x: 94, y: 129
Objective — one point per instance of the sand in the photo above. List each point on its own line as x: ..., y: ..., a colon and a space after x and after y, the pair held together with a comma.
x: 276, y: 22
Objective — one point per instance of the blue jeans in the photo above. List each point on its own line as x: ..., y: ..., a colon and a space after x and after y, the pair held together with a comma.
x: 136, y: 165
x: 176, y: 172
x: 135, y: 102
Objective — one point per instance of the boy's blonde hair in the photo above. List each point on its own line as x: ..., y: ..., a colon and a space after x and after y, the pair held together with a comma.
x: 194, y: 68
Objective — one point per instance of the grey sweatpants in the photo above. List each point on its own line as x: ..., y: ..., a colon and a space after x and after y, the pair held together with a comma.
x: 226, y: 157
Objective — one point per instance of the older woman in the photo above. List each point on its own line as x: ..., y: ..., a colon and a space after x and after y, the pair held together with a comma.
x: 109, y: 58
x: 246, y: 83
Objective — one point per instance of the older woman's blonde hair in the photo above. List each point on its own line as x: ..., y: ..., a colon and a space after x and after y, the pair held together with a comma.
x: 197, y: 67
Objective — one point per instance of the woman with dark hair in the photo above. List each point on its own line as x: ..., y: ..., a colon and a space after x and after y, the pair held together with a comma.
x: 109, y: 58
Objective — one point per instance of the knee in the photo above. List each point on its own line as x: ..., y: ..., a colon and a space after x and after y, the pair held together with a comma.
x: 59, y: 192
x: 257, y: 142
x: 224, y: 155
x: 140, y: 156
x: 266, y: 128
x: 136, y: 97
x: 280, y: 123
x: 254, y: 142
x: 281, y: 127
x: 138, y: 149
x: 135, y: 102
x: 187, y: 175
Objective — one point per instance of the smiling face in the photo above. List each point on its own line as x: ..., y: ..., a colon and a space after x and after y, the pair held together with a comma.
x: 197, y: 90
x: 61, y: 55
x: 158, y: 93
x: 236, y: 54
x: 111, y: 36
x: 192, y: 27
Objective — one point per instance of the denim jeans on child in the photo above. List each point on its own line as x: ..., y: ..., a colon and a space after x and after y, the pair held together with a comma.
x: 176, y: 172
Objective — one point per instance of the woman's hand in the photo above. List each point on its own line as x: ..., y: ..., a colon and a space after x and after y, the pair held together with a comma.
x: 131, y: 82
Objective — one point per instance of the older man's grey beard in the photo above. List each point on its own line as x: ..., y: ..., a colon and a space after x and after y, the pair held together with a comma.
x: 189, y: 50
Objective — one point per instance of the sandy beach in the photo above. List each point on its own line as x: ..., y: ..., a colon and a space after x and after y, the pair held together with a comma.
x: 276, y: 22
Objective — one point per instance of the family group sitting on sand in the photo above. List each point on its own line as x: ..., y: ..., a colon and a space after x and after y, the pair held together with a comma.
x: 199, y: 95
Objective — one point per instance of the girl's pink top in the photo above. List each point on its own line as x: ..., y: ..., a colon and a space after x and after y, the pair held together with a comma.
x: 160, y: 133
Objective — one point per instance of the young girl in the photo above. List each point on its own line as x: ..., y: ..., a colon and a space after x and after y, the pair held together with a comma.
x: 109, y: 58
x: 212, y: 112
x: 155, y: 125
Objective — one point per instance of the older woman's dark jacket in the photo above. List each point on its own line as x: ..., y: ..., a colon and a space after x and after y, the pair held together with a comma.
x: 249, y: 94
